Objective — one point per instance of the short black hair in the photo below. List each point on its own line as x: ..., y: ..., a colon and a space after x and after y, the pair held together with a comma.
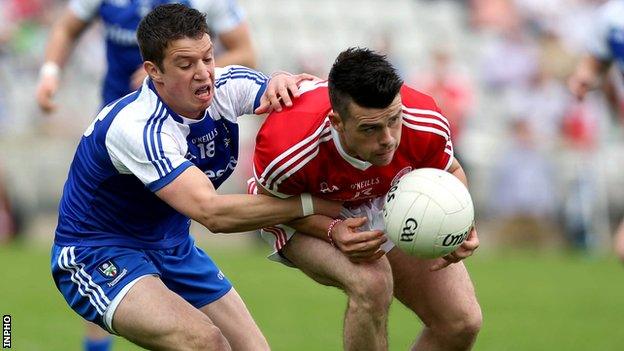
x: 165, y: 24
x: 364, y: 77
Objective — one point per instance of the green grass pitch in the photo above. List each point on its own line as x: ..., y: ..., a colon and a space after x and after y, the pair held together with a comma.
x: 530, y: 302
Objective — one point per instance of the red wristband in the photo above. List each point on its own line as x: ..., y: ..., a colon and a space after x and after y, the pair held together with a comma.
x: 330, y: 229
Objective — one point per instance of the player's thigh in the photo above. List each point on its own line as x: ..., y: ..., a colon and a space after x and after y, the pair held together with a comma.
x: 153, y: 316
x: 94, y: 279
x: 328, y: 265
x: 437, y: 297
x: 232, y: 317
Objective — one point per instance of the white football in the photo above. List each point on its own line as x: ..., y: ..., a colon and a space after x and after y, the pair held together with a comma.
x: 428, y: 213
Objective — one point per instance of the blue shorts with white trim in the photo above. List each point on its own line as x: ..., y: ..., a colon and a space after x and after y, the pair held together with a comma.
x: 91, y: 277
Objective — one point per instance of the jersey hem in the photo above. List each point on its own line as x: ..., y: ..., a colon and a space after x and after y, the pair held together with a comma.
x: 134, y: 244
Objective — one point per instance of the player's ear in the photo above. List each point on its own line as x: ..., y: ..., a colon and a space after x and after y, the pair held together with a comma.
x: 153, y: 71
x: 336, y: 121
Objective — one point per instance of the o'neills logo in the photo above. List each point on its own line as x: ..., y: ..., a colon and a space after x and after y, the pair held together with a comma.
x: 398, y: 176
x: 455, y: 239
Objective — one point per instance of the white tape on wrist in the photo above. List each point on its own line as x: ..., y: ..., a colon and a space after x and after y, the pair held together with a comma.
x: 50, y: 69
x: 306, y: 204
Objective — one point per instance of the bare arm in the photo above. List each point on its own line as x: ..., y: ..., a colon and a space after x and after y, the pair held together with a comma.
x: 193, y: 195
x: 358, y: 246
x: 618, y: 241
x: 64, y: 35
x: 238, y: 48
x: 587, y: 75
x: 457, y: 170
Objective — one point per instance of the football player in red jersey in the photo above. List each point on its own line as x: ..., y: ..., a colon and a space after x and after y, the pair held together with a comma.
x: 351, y: 138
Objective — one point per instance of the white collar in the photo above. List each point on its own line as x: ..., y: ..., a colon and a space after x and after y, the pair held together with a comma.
x: 357, y: 163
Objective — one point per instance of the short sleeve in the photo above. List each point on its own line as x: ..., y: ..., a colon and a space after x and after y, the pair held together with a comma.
x: 277, y: 162
x: 150, y: 153
x: 598, y: 42
x: 440, y: 151
x: 238, y: 91
x: 221, y: 15
x: 86, y: 10
x: 283, y: 185
x: 430, y: 131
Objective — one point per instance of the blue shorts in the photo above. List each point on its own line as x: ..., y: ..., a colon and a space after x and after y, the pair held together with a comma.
x: 93, y: 280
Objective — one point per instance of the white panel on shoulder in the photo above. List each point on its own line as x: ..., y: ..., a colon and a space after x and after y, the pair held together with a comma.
x: 236, y: 88
x: 309, y: 85
x: 145, y: 141
x: 221, y: 15
x: 609, y: 16
x: 86, y: 10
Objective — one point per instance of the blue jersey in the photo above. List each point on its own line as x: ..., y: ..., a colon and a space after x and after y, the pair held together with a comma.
x: 608, y: 43
x: 136, y: 146
x: 121, y: 19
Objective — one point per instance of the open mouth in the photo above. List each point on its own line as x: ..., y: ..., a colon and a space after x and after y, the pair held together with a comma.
x: 203, y: 92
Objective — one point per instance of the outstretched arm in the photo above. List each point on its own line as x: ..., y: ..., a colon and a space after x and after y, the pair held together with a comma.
x: 64, y: 35
x: 587, y: 75
x: 193, y: 195
x: 238, y: 48
x: 358, y: 246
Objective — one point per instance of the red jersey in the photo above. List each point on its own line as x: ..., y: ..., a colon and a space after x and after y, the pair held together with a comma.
x: 298, y: 151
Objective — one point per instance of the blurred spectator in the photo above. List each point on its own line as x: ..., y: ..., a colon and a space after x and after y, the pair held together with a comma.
x: 452, y: 90
x: 493, y: 14
x: 556, y: 59
x: 509, y: 60
x: 542, y: 101
x: 383, y: 42
x: 312, y: 62
x: 8, y: 19
x: 523, y: 196
x: 606, y: 47
x: 580, y: 134
x: 7, y: 223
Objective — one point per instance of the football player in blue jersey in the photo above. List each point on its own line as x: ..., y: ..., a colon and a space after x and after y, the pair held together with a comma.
x: 120, y: 18
x: 605, y: 49
x: 125, y: 71
x: 123, y: 257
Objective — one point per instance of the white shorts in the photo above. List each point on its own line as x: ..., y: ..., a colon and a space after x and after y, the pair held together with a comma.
x: 277, y: 236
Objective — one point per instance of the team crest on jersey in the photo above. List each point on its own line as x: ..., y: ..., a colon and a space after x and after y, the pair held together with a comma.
x: 398, y: 176
x: 108, y: 269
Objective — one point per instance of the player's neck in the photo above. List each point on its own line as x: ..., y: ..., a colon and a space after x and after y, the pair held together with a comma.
x: 346, y: 153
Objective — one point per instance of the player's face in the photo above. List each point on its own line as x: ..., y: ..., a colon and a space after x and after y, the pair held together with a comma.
x: 187, y: 80
x: 372, y: 134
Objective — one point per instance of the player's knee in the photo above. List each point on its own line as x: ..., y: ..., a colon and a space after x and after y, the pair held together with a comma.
x: 371, y: 287
x: 205, y: 338
x: 463, y: 329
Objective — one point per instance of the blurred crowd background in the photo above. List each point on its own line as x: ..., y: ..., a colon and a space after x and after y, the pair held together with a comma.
x: 543, y: 167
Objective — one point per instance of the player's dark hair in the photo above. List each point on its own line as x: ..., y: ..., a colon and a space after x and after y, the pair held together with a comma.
x: 364, y: 77
x: 165, y: 24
